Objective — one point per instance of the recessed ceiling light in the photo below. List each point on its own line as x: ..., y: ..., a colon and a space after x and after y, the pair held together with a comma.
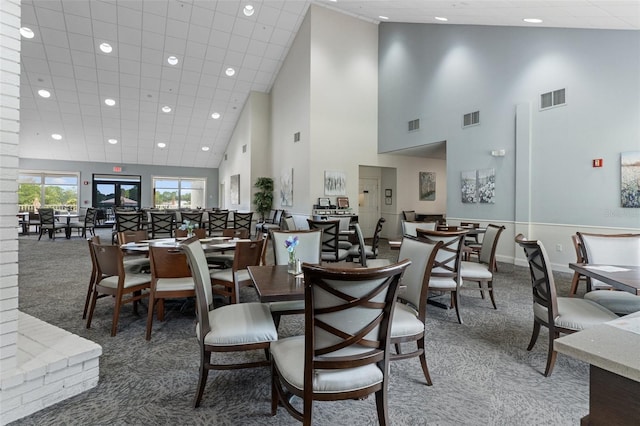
x: 533, y: 20
x: 440, y: 18
x: 166, y: 108
x: 106, y: 47
x: 205, y: 148
x: 26, y: 32
x: 248, y: 10
x: 110, y: 102
x: 56, y: 136
x: 113, y: 141
x: 172, y: 60
x: 383, y: 17
x: 161, y: 145
x: 230, y: 72
x: 215, y: 115
x: 44, y: 93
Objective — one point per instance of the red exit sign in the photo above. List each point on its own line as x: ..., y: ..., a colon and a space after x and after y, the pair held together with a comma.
x: 117, y: 169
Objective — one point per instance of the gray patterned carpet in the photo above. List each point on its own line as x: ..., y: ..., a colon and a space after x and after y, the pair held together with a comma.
x: 481, y: 371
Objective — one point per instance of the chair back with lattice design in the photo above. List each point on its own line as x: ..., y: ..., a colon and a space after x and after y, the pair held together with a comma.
x: 242, y: 220
x: 162, y: 224
x: 218, y: 222
x: 192, y: 217
x: 330, y: 232
x: 128, y: 221
x: 347, y: 319
x: 376, y: 236
x: 447, y: 263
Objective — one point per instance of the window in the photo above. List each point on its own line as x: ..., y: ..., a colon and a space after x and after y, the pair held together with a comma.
x: 178, y: 193
x: 45, y: 189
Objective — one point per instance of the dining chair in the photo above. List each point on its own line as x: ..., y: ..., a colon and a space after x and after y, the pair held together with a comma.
x: 162, y: 225
x: 227, y: 282
x: 237, y: 327
x: 409, y: 316
x: 34, y: 220
x: 113, y: 280
x: 411, y: 228
x: 344, y: 233
x: 483, y: 270
x: 558, y: 314
x: 88, y: 224
x: 445, y: 275
x: 611, y: 249
x: 192, y: 217
x: 370, y: 251
x: 218, y: 222
x: 126, y: 221
x: 242, y: 221
x: 94, y: 274
x: 223, y: 260
x: 331, y: 252
x: 289, y: 223
x: 577, y: 277
x: 344, y: 353
x: 309, y: 251
x: 170, y: 279
x: 49, y: 224
x: 409, y: 215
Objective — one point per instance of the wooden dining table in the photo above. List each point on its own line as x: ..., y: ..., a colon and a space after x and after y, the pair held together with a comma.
x: 626, y: 278
x: 212, y: 244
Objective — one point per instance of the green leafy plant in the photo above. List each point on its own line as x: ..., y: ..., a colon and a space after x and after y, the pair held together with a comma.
x: 263, y: 199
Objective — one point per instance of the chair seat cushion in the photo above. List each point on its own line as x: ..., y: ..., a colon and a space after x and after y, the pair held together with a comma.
x: 227, y: 275
x: 405, y: 321
x: 342, y: 255
x: 620, y: 302
x: 288, y: 355
x: 576, y: 314
x: 344, y: 244
x: 355, y: 251
x: 175, y: 284
x: 130, y: 280
x: 289, y: 305
x: 240, y: 324
x: 474, y: 271
x: 436, y: 283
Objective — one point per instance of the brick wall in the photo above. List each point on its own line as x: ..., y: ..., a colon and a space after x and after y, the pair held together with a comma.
x: 9, y: 128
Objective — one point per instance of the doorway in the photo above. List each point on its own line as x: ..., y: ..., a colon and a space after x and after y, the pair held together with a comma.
x: 115, y: 191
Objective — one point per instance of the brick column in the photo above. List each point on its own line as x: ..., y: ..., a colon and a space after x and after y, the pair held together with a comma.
x: 9, y: 129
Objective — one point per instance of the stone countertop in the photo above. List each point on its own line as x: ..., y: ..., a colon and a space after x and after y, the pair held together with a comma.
x: 607, y: 346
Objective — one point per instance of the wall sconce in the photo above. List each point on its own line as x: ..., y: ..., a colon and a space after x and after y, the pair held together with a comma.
x: 498, y: 153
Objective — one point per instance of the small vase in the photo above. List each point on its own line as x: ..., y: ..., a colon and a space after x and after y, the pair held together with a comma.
x: 189, y: 234
x: 291, y: 266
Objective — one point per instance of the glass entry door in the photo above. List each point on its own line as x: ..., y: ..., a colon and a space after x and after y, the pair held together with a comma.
x: 115, y: 191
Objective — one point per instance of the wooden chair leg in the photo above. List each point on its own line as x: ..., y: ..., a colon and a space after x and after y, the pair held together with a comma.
x: 274, y: 389
x: 94, y: 296
x: 551, y: 355
x: 490, y: 288
x: 574, y: 284
x: 381, y: 406
x: 423, y: 362
x: 398, y: 350
x: 455, y: 301
x: 152, y: 302
x: 534, y: 335
x: 205, y: 359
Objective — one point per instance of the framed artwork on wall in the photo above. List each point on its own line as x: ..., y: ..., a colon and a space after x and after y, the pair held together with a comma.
x: 388, y: 193
x: 468, y: 186
x: 342, y: 202
x: 335, y: 183
x: 388, y: 201
x: 234, y: 189
x: 324, y: 202
x: 486, y: 185
x: 286, y: 188
x: 630, y: 179
x: 427, y: 186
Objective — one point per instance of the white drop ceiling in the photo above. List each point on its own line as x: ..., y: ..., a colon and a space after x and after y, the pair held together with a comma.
x: 207, y: 37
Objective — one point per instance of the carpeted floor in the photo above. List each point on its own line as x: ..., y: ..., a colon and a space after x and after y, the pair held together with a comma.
x: 481, y: 371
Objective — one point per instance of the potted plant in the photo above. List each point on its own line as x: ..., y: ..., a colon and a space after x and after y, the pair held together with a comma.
x: 263, y: 198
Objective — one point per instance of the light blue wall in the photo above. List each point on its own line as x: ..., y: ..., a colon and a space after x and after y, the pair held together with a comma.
x: 438, y: 73
x: 87, y: 169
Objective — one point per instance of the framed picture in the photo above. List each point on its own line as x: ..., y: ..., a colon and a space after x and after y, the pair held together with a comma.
x: 286, y: 188
x: 630, y: 178
x: 324, y: 202
x: 388, y: 201
x: 234, y: 188
x: 486, y: 186
x: 342, y: 202
x: 335, y: 183
x: 387, y: 193
x: 427, y: 186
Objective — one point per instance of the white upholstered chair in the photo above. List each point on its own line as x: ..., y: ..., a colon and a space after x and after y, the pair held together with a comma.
x: 344, y: 353
x: 410, y: 228
x: 558, y: 314
x: 236, y: 327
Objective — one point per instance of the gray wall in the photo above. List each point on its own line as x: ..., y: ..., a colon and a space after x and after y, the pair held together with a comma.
x: 87, y: 169
x: 438, y: 73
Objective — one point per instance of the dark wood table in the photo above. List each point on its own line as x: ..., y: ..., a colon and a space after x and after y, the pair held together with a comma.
x: 274, y: 284
x: 627, y: 280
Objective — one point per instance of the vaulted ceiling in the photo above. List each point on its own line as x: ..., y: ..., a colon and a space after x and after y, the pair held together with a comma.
x: 206, y: 37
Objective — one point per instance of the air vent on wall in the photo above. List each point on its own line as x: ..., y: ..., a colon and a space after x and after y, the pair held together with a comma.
x: 296, y: 137
x: 471, y: 119
x: 244, y: 148
x: 414, y: 125
x: 553, y: 99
